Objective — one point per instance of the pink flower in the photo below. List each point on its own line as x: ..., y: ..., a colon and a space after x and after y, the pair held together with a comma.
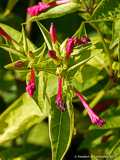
x: 69, y: 47
x: 59, y: 101
x: 84, y: 40
x: 52, y: 54
x: 81, y: 40
x: 53, y: 33
x: 30, y: 88
x: 94, y: 118
x: 36, y: 9
x: 5, y: 35
x: 41, y: 7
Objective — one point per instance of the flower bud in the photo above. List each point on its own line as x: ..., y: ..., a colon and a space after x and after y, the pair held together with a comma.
x: 19, y: 64
x: 53, y: 33
x: 69, y: 47
x: 84, y: 40
x: 30, y: 87
x: 52, y: 54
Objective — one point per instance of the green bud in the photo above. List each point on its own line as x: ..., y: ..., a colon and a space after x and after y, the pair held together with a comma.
x: 18, y: 65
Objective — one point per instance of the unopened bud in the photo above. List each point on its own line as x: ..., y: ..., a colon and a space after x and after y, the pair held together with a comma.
x: 19, y: 64
x: 84, y: 40
x: 52, y: 54
x: 53, y: 33
x: 69, y: 47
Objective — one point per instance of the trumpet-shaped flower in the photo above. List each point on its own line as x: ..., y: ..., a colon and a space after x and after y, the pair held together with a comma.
x: 94, y: 118
x: 59, y: 101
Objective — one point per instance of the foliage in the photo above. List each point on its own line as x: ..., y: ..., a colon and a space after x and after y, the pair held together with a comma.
x: 36, y: 127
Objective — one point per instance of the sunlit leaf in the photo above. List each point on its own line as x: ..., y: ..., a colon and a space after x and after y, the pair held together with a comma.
x: 15, y: 121
x: 61, y: 129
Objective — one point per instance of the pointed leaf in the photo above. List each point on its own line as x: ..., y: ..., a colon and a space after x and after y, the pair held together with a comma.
x: 16, y: 35
x: 46, y: 35
x: 60, y: 130
x: 12, y: 51
x: 25, y: 45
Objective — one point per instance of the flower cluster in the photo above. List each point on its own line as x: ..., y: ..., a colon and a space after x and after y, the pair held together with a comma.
x: 74, y: 41
x: 70, y: 44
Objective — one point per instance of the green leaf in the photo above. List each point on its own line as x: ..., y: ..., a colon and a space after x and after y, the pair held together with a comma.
x: 13, y: 66
x: 25, y: 45
x: 15, y: 121
x: 46, y: 35
x: 81, y: 30
x: 115, y: 33
x: 47, y: 87
x: 39, y: 135
x: 8, y: 88
x: 106, y: 9
x: 27, y: 151
x: 12, y: 51
x: 57, y: 11
x: 115, y: 151
x: 16, y: 35
x: 60, y: 130
x: 90, y: 138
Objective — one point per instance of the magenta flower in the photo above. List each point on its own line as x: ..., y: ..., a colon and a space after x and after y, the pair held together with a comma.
x: 53, y: 33
x: 80, y: 41
x: 5, y: 35
x: 84, y: 40
x: 52, y: 54
x: 41, y: 7
x: 30, y: 88
x: 69, y: 47
x: 59, y: 101
x: 94, y: 118
x: 36, y: 9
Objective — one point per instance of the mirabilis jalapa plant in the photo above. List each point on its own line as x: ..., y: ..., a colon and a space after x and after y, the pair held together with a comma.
x: 61, y: 57
x: 52, y: 58
x: 62, y: 65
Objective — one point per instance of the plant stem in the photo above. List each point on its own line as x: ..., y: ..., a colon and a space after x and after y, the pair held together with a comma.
x: 29, y: 24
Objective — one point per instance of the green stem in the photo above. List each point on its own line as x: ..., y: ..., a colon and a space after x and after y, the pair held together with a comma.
x: 79, y: 64
x: 97, y: 98
x: 29, y: 24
